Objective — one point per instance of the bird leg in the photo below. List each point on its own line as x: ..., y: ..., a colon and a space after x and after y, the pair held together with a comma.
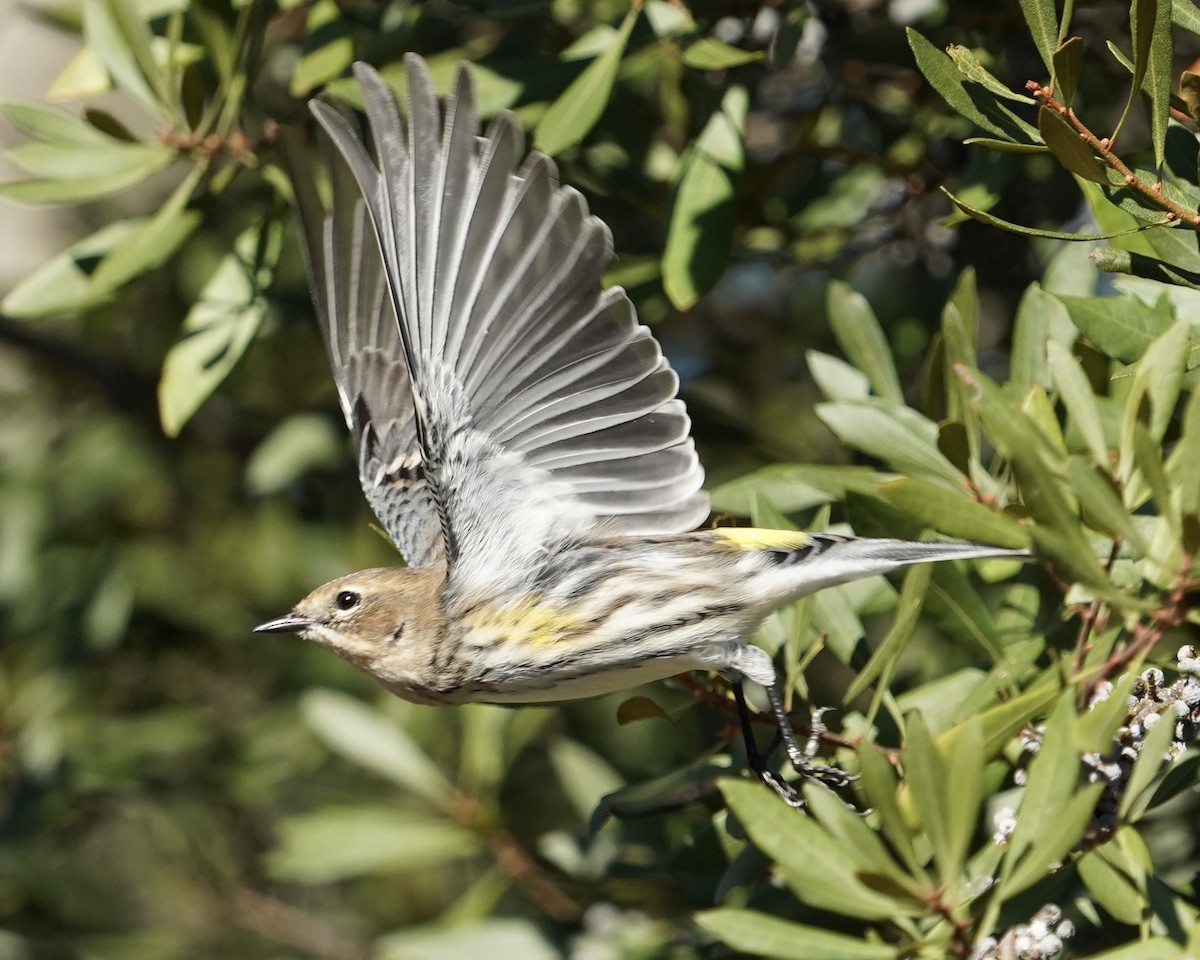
x: 801, y: 757
x: 756, y: 760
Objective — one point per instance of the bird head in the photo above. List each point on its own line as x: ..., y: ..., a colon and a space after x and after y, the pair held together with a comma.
x: 384, y: 621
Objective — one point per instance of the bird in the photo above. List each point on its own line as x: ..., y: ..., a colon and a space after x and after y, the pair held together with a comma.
x: 520, y: 439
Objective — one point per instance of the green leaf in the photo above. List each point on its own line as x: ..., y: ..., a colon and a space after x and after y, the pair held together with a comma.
x: 368, y: 738
x: 75, y: 190
x: 970, y: 67
x: 156, y: 242
x: 984, y: 217
x: 111, y: 31
x: 1068, y: 67
x: 1068, y: 148
x: 1121, y: 327
x: 63, y: 284
x: 1110, y: 885
x: 861, y: 338
x: 700, y: 234
x: 813, y: 863
x: 586, y: 777
x: 1150, y: 764
x: 1037, y: 464
x: 571, y: 117
x: 955, y: 516
x: 879, y: 785
x: 495, y: 938
x: 887, y: 655
x: 1150, y: 28
x: 793, y: 487
x: 300, y: 443
x: 327, y: 51
x: 1186, y: 14
x: 65, y: 160
x: 836, y: 379
x: 1053, y: 809
x: 763, y: 935
x: 710, y: 54
x: 1042, y: 19
x: 1102, y: 507
x: 338, y: 842
x: 1076, y: 395
x: 1041, y: 318
x: 897, y: 435
x: 1158, y: 377
x: 974, y: 101
x: 216, y: 331
x: 52, y: 124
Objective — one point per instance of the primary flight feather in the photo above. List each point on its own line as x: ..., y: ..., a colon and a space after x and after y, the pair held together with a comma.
x: 520, y: 439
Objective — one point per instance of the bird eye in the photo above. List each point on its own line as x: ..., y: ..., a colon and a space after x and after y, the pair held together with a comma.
x: 347, y: 600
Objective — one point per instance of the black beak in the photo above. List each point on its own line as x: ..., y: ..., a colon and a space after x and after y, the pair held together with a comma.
x: 286, y: 624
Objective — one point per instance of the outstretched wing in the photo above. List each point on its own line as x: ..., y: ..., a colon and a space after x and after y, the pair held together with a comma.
x: 362, y: 340
x: 544, y: 410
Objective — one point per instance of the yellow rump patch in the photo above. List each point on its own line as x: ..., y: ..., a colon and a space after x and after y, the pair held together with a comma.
x: 755, y: 538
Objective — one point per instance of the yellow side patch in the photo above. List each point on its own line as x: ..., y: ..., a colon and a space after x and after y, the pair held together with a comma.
x: 524, y: 623
x: 755, y: 538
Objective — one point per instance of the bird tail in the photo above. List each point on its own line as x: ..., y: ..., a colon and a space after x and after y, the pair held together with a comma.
x: 807, y: 562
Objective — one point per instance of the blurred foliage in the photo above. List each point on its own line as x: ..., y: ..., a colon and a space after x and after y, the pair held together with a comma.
x: 855, y: 353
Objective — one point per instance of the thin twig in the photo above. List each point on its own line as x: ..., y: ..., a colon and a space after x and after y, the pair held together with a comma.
x: 1103, y: 146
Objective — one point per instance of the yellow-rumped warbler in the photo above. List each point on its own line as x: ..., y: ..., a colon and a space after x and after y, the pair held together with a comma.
x: 520, y: 440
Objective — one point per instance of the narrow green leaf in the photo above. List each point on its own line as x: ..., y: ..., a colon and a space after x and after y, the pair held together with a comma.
x: 887, y: 655
x: 700, y: 235
x: 497, y: 938
x: 339, y: 842
x: 1120, y: 327
x: 970, y: 67
x: 1184, y: 464
x: 84, y: 189
x: 964, y: 759
x: 925, y: 775
x: 972, y: 100
x: 710, y: 54
x: 63, y: 284
x: 1037, y: 465
x: 1053, y: 777
x: 1150, y: 26
x: 52, y: 124
x: 327, y: 51
x: 1068, y: 67
x: 879, y: 785
x: 1042, y: 19
x: 129, y: 20
x: 764, y: 935
x: 83, y: 78
x: 836, y: 379
x: 368, y: 738
x: 1040, y: 319
x: 861, y: 843
x: 955, y: 516
x: 162, y: 235
x: 98, y: 161
x: 1076, y: 394
x: 813, y: 863
x: 897, y: 435
x: 1111, y: 886
x: 1101, y: 506
x: 1068, y: 148
x: 860, y: 336
x: 984, y: 217
x: 1186, y: 14
x: 571, y: 117
x: 1159, y: 378
x: 105, y: 35
x: 792, y: 487
x: 1005, y: 146
x: 1151, y: 762
x: 220, y: 325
